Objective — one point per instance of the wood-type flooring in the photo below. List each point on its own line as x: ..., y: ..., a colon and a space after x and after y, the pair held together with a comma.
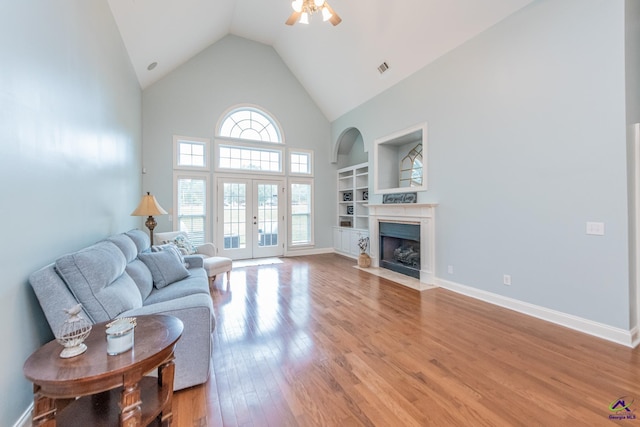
x: 316, y: 342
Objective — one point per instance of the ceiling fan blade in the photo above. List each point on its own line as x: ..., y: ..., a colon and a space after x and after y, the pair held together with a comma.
x: 335, y: 19
x: 293, y: 18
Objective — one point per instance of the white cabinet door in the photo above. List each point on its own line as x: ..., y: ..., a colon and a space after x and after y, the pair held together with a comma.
x: 337, y: 238
x: 342, y: 240
x: 345, y: 240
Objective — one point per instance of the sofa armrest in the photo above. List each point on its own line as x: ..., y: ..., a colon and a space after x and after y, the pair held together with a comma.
x: 208, y: 249
x: 193, y: 350
x: 194, y: 261
x: 54, y: 296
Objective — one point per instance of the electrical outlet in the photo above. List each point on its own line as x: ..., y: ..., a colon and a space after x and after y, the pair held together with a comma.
x: 450, y: 269
x: 595, y: 228
x: 506, y: 279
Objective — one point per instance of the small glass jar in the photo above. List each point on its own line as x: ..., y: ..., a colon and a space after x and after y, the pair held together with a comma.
x: 120, y: 336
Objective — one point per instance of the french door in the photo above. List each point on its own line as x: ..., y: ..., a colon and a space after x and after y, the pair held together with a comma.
x: 250, y: 217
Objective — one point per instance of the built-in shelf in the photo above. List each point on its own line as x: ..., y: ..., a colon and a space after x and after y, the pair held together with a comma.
x: 353, y: 213
x: 353, y: 195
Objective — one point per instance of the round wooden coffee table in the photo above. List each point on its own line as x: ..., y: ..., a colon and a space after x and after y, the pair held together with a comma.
x: 113, y: 390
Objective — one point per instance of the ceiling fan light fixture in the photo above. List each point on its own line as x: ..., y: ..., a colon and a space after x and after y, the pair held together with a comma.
x: 303, y: 9
x: 326, y: 14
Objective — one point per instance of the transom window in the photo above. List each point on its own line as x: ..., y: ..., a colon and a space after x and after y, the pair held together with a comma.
x: 249, y: 158
x: 300, y: 162
x: 250, y: 123
x: 190, y: 153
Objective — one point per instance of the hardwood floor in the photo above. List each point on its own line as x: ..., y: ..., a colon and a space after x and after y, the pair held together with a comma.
x: 316, y: 342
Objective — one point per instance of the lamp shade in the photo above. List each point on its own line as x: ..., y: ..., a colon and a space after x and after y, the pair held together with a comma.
x: 148, y: 206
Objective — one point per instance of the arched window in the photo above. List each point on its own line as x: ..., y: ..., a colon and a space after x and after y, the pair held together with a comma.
x: 250, y: 123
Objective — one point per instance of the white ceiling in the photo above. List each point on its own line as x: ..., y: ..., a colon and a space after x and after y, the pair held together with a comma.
x: 337, y: 65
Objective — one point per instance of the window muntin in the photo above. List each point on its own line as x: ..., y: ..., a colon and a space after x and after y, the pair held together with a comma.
x: 190, y: 153
x: 301, y: 162
x: 247, y: 158
x: 301, y: 213
x: 234, y: 215
x: 250, y: 124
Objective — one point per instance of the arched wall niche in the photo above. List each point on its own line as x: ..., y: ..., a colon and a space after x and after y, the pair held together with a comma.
x: 349, y: 149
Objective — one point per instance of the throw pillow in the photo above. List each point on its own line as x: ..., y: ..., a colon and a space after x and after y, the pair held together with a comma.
x: 183, y: 242
x: 171, y: 247
x: 166, y: 267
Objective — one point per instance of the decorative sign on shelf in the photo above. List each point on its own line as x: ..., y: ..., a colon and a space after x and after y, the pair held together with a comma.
x: 347, y: 196
x: 365, y: 195
x: 350, y: 210
x: 395, y: 198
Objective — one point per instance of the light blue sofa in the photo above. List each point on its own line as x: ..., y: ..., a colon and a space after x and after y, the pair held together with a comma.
x: 121, y: 277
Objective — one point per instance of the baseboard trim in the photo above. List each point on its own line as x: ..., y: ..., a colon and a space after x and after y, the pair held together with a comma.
x: 25, y: 419
x: 628, y: 338
x: 303, y: 252
x: 635, y: 337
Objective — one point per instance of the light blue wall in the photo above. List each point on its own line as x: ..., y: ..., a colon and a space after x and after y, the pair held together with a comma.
x: 355, y: 156
x: 632, y: 46
x: 526, y: 143
x: 70, y: 155
x: 632, y: 63
x: 192, y: 99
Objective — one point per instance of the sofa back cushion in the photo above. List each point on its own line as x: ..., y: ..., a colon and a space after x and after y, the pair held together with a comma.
x: 141, y: 275
x: 135, y: 268
x: 96, y: 277
x: 126, y: 245
x: 141, y: 239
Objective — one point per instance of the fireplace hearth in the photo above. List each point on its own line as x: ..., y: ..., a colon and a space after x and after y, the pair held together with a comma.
x: 400, y: 248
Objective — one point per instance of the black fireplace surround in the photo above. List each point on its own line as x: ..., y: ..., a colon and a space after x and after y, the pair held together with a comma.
x: 400, y: 247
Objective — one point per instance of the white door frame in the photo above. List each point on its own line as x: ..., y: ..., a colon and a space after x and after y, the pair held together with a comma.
x: 252, y: 242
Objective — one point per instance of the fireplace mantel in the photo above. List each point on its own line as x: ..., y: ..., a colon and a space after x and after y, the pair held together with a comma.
x: 413, y: 213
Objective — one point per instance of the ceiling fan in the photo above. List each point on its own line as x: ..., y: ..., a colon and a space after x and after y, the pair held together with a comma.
x: 302, y: 9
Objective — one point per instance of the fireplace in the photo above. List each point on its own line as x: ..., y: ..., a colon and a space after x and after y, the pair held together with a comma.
x: 400, y: 247
x: 418, y: 237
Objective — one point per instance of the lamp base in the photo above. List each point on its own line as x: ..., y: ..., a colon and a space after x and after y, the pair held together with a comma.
x: 151, y: 224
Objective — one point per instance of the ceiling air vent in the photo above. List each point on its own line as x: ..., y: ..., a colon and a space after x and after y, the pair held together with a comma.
x: 383, y: 67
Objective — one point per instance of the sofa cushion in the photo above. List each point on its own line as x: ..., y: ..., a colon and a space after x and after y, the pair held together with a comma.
x: 166, y: 267
x: 141, y: 275
x: 196, y: 283
x: 126, y: 245
x: 140, y: 238
x: 96, y: 277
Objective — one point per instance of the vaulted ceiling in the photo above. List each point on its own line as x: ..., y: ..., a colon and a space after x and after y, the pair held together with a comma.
x: 338, y: 66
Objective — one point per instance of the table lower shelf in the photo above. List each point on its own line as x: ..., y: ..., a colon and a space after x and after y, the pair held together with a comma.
x: 102, y: 410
